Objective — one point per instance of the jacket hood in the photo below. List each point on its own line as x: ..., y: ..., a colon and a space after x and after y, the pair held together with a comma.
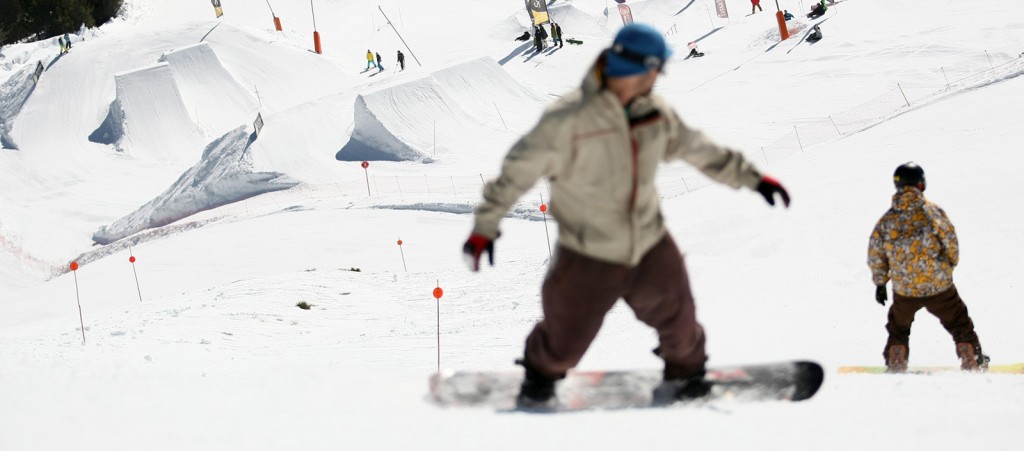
x: 907, y: 198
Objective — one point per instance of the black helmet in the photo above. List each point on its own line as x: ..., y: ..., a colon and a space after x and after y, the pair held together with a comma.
x: 909, y: 174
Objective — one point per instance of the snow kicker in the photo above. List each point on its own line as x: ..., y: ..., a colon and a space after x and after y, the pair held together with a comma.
x: 219, y: 102
x: 404, y: 122
x: 148, y: 118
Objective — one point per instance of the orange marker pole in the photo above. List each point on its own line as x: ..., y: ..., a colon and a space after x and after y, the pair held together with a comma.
x: 131, y: 259
x: 74, y: 270
x: 316, y: 34
x: 783, y: 30
x: 277, y: 23
x: 403, y: 254
x: 438, y: 292
x: 544, y: 211
x: 365, y: 165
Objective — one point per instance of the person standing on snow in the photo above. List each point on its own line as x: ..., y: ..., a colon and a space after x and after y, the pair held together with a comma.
x: 755, y: 4
x: 543, y: 34
x: 369, y: 60
x: 380, y: 66
x: 401, y: 61
x: 556, y: 35
x: 600, y: 147
x: 67, y: 43
x: 914, y: 244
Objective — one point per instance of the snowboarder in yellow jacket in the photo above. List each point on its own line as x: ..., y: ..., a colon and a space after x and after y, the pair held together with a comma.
x: 914, y: 245
x: 369, y: 60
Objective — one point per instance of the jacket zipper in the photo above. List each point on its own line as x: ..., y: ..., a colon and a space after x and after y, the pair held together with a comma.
x: 632, y: 196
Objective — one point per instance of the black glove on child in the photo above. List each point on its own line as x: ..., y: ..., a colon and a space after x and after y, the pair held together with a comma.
x: 880, y: 295
x: 769, y: 187
x: 474, y: 247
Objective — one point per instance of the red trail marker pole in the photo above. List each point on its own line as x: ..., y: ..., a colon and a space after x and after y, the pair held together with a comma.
x: 365, y: 165
x: 403, y: 254
x: 544, y: 212
x: 131, y: 259
x: 81, y: 321
x: 438, y: 292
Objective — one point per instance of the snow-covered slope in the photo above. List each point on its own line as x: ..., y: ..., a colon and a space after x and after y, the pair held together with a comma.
x: 199, y: 344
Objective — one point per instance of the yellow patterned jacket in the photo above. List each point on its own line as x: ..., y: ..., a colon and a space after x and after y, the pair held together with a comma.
x: 914, y: 245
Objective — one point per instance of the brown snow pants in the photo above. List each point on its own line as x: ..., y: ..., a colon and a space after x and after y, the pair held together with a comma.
x: 947, y: 306
x: 578, y: 291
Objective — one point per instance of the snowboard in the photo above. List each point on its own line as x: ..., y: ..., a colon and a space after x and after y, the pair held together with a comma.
x: 586, y: 390
x: 1012, y: 368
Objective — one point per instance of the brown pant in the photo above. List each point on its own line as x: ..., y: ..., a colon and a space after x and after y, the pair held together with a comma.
x: 579, y: 291
x: 947, y: 306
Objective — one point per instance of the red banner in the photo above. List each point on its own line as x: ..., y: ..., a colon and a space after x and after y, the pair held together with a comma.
x: 627, y: 15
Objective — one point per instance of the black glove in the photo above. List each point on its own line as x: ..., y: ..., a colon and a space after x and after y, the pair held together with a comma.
x: 769, y: 187
x: 474, y: 247
x: 880, y: 295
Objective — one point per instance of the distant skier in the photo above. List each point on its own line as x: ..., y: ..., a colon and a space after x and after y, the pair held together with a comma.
x: 815, y: 35
x: 818, y: 9
x: 63, y: 47
x: 914, y: 244
x: 755, y: 4
x: 600, y: 147
x: 369, y: 60
x: 694, y: 53
x: 788, y: 15
x: 556, y: 35
x: 67, y: 42
x: 380, y: 66
x: 401, y: 61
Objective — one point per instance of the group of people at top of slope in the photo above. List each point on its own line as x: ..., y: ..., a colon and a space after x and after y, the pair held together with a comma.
x: 540, y: 36
x: 65, y: 43
x: 371, y: 62
x: 599, y: 147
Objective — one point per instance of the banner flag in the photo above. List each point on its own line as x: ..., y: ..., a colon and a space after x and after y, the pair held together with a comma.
x: 538, y: 10
x: 723, y: 12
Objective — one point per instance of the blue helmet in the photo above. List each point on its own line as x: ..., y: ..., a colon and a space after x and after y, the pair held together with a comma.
x: 637, y: 48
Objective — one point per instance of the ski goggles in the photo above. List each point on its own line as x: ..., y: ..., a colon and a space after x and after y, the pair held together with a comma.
x: 648, y: 61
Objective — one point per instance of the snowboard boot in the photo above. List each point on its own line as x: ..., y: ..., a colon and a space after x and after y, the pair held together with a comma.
x: 896, y: 359
x: 971, y: 358
x: 681, y: 389
x: 537, y: 391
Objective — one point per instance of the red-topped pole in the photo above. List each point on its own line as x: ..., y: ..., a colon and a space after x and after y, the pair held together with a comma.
x: 438, y: 292
x: 74, y: 270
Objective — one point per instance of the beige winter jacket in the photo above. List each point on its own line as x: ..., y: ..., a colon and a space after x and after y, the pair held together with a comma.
x: 601, y: 161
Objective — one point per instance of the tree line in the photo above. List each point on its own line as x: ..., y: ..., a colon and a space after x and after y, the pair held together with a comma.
x: 41, y: 19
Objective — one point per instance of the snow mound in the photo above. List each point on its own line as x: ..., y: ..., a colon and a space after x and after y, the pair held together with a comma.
x: 403, y: 122
x: 219, y: 102
x: 224, y: 175
x: 13, y: 95
x: 148, y: 118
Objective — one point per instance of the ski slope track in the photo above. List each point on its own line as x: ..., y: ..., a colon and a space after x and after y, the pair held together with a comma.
x: 14, y: 92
